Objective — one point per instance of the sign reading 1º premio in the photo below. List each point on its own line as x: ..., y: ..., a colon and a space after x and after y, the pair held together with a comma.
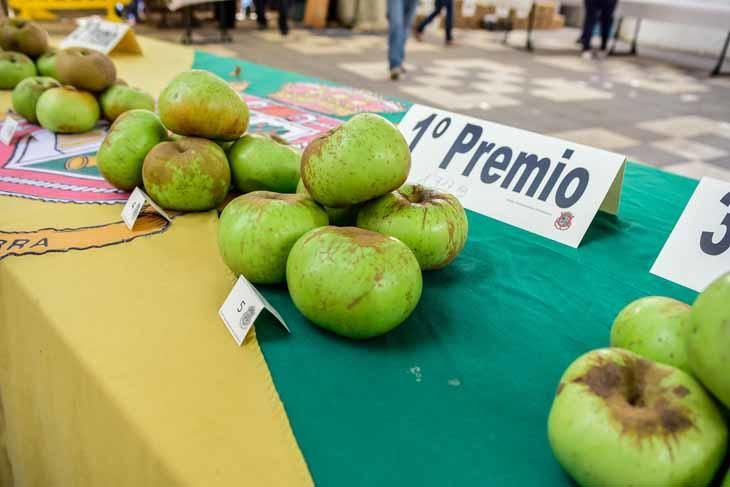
x: 541, y: 184
x: 698, y: 249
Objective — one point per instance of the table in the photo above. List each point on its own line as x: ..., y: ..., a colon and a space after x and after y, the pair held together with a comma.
x: 187, y: 6
x: 116, y: 370
x: 530, y: 6
x: 708, y: 15
x: 41, y: 9
x: 703, y: 14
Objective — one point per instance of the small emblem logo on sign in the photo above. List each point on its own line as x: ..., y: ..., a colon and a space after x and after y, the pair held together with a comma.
x: 247, y: 317
x: 241, y: 308
x: 564, y: 221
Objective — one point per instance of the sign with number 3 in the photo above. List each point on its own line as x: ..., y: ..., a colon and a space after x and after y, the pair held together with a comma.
x: 698, y: 249
x: 707, y: 239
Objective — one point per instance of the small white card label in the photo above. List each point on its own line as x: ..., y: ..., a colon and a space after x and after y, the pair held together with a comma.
x: 7, y: 132
x: 96, y: 33
x: 698, y: 249
x: 545, y: 185
x: 241, y: 308
x: 134, y: 205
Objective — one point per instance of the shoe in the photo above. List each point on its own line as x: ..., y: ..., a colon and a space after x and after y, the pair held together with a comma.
x: 449, y: 42
x: 402, y: 70
x: 602, y: 54
x: 395, y: 73
x: 587, y: 55
x: 417, y: 35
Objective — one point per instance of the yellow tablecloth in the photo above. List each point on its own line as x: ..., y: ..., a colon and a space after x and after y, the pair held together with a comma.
x: 115, y: 369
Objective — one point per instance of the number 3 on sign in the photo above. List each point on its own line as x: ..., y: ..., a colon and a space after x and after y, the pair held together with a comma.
x: 698, y: 249
x: 707, y: 240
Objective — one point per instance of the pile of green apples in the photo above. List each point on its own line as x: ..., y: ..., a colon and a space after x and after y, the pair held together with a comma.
x: 178, y: 156
x: 336, y: 222
x: 338, y: 225
x: 651, y: 410
x: 75, y: 88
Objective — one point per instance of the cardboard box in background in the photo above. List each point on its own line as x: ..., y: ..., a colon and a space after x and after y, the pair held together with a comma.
x: 558, y: 21
x: 546, y: 16
x: 472, y: 21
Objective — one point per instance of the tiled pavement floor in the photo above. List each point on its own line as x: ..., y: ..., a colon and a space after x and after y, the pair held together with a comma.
x: 659, y: 108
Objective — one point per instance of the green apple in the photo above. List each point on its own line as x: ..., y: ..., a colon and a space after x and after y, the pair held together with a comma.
x: 259, y: 162
x: 199, y: 103
x: 14, y: 68
x: 23, y: 36
x: 341, y: 217
x: 257, y: 231
x: 86, y: 69
x: 67, y: 110
x: 130, y: 138
x: 363, y: 158
x: 26, y: 93
x: 353, y: 282
x: 433, y: 224
x: 621, y: 419
x: 119, y: 98
x: 708, y: 341
x: 655, y: 327
x: 190, y: 174
x: 46, y: 64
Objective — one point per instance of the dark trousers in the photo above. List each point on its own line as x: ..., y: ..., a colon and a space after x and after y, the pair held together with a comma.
x: 260, y: 6
x: 440, y: 5
x: 226, y: 14
x: 597, y: 10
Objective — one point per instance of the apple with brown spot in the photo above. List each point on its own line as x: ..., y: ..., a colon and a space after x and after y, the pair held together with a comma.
x: 85, y: 69
x: 23, y: 36
x: 432, y: 223
x: 621, y: 419
x: 353, y: 282
x: 708, y: 340
x: 363, y: 158
x: 190, y: 174
x: 257, y: 230
x: 655, y: 327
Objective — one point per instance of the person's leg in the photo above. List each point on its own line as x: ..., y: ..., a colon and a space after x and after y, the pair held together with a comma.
x: 449, y: 4
x: 436, y: 10
x: 607, y: 9
x: 409, y: 14
x: 260, y: 6
x: 396, y: 34
x: 284, y: 17
x: 438, y: 5
x: 588, y: 23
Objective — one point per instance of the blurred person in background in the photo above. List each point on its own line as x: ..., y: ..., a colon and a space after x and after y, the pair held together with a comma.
x: 597, y: 11
x: 400, y: 19
x: 449, y: 24
x: 260, y: 6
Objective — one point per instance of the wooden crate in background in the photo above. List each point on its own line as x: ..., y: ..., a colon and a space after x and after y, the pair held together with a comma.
x: 315, y: 14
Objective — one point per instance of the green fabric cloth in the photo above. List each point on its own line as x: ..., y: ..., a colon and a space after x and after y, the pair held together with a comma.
x: 460, y: 393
